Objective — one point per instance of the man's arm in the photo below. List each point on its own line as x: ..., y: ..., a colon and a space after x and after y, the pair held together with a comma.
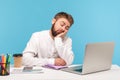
x: 64, y: 50
x: 30, y: 60
x: 30, y: 53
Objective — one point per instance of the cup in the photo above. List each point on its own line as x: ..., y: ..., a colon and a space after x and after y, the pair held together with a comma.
x: 4, y: 69
x: 17, y: 60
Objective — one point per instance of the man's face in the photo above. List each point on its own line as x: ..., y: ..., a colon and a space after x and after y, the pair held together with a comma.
x: 59, y: 26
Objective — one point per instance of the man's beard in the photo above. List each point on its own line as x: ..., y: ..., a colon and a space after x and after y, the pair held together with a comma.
x: 55, y: 33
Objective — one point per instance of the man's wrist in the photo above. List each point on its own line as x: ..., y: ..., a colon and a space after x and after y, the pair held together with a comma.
x: 51, y: 61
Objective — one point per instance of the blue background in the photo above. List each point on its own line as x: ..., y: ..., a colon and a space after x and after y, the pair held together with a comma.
x: 95, y: 21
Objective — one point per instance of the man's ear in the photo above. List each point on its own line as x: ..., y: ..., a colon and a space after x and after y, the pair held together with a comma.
x: 53, y: 21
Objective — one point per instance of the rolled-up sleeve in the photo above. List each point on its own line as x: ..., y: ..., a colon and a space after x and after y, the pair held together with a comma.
x: 65, y: 49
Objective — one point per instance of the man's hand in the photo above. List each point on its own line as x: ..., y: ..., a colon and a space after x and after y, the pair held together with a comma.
x: 60, y: 62
x: 62, y: 34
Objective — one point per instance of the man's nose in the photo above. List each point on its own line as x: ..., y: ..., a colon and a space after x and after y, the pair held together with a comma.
x: 63, y: 28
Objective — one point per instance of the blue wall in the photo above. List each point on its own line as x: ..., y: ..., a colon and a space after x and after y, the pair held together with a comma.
x: 95, y: 21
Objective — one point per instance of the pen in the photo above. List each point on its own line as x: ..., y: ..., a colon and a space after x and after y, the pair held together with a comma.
x: 7, y: 62
x: 4, y: 64
x: 0, y: 65
x: 8, y: 58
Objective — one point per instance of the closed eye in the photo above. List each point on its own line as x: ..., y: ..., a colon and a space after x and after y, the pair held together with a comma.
x: 62, y: 23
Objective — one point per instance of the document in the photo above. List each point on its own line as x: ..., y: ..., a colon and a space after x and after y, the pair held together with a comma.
x: 54, y: 67
x: 26, y: 70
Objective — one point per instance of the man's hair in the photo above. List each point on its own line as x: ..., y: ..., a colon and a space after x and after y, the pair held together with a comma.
x: 64, y: 15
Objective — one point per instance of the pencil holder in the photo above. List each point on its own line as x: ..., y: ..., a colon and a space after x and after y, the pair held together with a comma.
x: 4, y: 69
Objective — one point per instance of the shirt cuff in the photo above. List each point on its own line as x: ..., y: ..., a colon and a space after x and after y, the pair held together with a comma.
x: 51, y: 61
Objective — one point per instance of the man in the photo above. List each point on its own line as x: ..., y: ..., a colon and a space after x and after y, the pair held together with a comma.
x: 51, y: 46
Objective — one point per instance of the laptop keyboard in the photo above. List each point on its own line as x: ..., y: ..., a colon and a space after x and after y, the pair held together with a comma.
x: 78, y: 70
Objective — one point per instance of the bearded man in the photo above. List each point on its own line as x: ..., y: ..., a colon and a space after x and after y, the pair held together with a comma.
x: 51, y: 46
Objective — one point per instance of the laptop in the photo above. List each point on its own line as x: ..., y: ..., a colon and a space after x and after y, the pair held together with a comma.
x: 98, y: 57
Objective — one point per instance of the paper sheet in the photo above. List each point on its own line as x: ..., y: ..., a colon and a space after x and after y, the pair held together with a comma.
x: 54, y: 67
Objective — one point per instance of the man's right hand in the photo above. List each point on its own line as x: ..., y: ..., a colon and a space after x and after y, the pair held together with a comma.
x: 62, y: 34
x: 60, y: 62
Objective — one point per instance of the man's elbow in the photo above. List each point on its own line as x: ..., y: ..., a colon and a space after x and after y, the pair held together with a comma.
x: 69, y: 61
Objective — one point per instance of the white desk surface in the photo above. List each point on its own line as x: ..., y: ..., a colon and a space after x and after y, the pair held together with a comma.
x: 50, y: 74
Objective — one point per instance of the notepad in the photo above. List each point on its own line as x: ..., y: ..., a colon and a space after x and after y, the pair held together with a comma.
x: 26, y: 70
x: 54, y: 67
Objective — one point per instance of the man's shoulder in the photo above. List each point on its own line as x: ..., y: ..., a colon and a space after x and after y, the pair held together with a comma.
x: 41, y: 32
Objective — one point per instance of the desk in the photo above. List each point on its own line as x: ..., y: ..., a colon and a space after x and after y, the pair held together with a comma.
x: 50, y: 74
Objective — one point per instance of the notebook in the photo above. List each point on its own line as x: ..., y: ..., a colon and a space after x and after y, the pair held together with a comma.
x: 26, y: 70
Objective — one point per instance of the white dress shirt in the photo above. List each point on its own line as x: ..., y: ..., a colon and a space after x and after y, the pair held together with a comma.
x: 42, y: 49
